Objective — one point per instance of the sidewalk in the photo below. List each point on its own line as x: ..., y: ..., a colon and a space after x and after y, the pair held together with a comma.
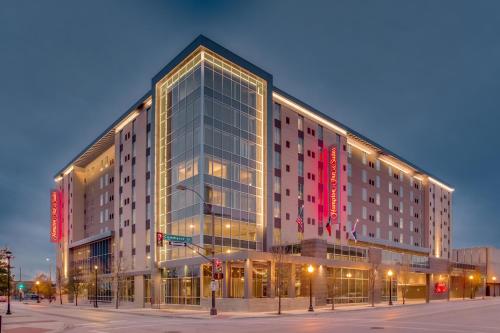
x: 204, y: 314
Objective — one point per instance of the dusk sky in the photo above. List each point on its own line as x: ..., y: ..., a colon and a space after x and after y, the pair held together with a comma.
x: 421, y: 78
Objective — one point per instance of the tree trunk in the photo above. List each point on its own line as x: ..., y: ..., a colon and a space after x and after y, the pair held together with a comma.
x: 117, y: 296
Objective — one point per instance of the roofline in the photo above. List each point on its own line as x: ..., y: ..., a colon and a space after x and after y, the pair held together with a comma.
x: 106, y: 131
x: 362, y: 137
x: 209, y: 44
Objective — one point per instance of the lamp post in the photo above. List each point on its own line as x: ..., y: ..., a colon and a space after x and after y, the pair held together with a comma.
x: 389, y: 274
x: 208, y: 207
x: 50, y: 279
x: 471, y: 288
x: 95, y: 269
x: 310, y: 270
x: 494, y: 286
x: 8, y: 255
x: 37, y: 291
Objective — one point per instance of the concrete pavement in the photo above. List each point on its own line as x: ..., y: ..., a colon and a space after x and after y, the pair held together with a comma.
x: 455, y: 316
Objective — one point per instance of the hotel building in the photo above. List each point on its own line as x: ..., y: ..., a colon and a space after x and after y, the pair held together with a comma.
x: 215, y: 124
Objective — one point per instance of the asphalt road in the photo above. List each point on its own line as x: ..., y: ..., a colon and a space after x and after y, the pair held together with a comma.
x: 470, y: 316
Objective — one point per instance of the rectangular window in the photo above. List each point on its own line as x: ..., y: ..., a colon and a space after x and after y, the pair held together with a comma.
x: 349, y: 189
x: 277, y: 136
x: 364, y: 194
x: 277, y: 209
x: 349, y: 208
x: 300, y: 123
x: 390, y: 219
x: 377, y: 216
x: 377, y: 165
x: 277, y: 111
x: 377, y: 181
x: 363, y: 154
x: 349, y: 170
x: 390, y: 203
x: 363, y: 212
x: 300, y: 145
x: 377, y: 233
x: 277, y: 184
x: 377, y: 199
x: 390, y: 187
x: 364, y: 230
x: 364, y: 176
x: 277, y: 160
x: 320, y: 132
x: 301, y: 168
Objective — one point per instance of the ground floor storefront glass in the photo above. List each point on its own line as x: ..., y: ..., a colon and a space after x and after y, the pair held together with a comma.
x: 346, y: 285
x: 181, y: 285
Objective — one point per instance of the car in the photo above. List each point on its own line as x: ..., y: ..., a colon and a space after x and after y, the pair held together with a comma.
x: 3, y: 298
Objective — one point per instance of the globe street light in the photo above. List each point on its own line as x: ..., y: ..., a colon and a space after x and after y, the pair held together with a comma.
x: 310, y: 270
x: 95, y: 269
x: 37, y: 291
x: 389, y: 274
x: 494, y: 286
x: 208, y: 207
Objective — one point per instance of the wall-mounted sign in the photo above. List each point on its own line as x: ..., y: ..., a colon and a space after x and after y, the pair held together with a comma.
x: 56, y: 220
x: 440, y: 288
x: 333, y: 184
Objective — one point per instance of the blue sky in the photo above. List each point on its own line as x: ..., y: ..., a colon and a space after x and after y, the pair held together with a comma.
x: 419, y: 77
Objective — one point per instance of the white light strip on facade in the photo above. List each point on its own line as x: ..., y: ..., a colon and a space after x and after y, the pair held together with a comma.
x: 394, y: 164
x: 127, y: 120
x: 58, y: 179
x: 68, y: 170
x: 360, y: 147
x: 438, y: 183
x: 309, y: 114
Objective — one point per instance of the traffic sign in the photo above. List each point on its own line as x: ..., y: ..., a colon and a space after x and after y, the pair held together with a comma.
x: 178, y: 239
x: 214, y: 285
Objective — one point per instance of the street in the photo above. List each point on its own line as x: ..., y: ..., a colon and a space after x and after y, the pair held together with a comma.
x: 455, y: 316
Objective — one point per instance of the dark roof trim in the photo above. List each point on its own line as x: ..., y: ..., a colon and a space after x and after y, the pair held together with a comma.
x: 106, y: 131
x: 357, y: 134
x: 216, y: 48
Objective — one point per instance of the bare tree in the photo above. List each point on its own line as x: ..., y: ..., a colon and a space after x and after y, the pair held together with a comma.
x: 279, y: 253
x: 76, y: 282
x: 404, y: 274
x: 60, y: 282
x: 372, y: 277
x: 119, y: 268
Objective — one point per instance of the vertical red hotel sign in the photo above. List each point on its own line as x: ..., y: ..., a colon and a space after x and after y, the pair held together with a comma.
x: 55, y: 216
x: 333, y: 184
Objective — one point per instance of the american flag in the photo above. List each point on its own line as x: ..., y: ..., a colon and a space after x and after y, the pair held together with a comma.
x: 300, y: 217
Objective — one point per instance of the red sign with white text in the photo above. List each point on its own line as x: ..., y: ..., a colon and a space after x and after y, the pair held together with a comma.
x: 333, y: 184
x: 56, y: 220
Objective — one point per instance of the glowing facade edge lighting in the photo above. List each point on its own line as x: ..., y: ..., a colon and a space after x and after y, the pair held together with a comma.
x: 449, y: 189
x: 68, y: 170
x: 394, y: 164
x: 309, y: 114
x: 127, y: 120
x: 360, y: 147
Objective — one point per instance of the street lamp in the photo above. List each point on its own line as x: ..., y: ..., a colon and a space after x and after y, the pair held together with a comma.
x: 494, y: 286
x: 208, y: 208
x: 310, y: 270
x: 37, y: 291
x: 471, y: 289
x: 50, y: 279
x: 8, y: 255
x: 96, y: 268
x: 389, y: 274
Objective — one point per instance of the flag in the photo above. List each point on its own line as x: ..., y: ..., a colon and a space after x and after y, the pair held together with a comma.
x: 329, y: 226
x: 353, y: 231
x: 300, y: 218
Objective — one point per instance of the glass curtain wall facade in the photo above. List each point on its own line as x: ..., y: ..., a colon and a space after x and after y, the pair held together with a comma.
x: 347, y: 285
x: 210, y: 139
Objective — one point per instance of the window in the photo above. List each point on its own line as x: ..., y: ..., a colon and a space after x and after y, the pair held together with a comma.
x: 364, y: 194
x: 364, y: 158
x: 349, y: 208
x: 277, y: 111
x: 390, y: 187
x: 349, y: 170
x: 390, y: 219
x: 301, y: 168
x: 377, y: 181
x: 320, y: 132
x: 300, y: 123
x: 301, y: 191
x: 277, y: 160
x: 364, y: 176
x: 390, y: 203
x: 377, y: 216
x: 277, y: 209
x: 363, y: 212
x: 300, y: 145
x: 377, y: 199
x: 377, y: 165
x: 349, y: 189
x: 277, y: 184
x: 277, y: 135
